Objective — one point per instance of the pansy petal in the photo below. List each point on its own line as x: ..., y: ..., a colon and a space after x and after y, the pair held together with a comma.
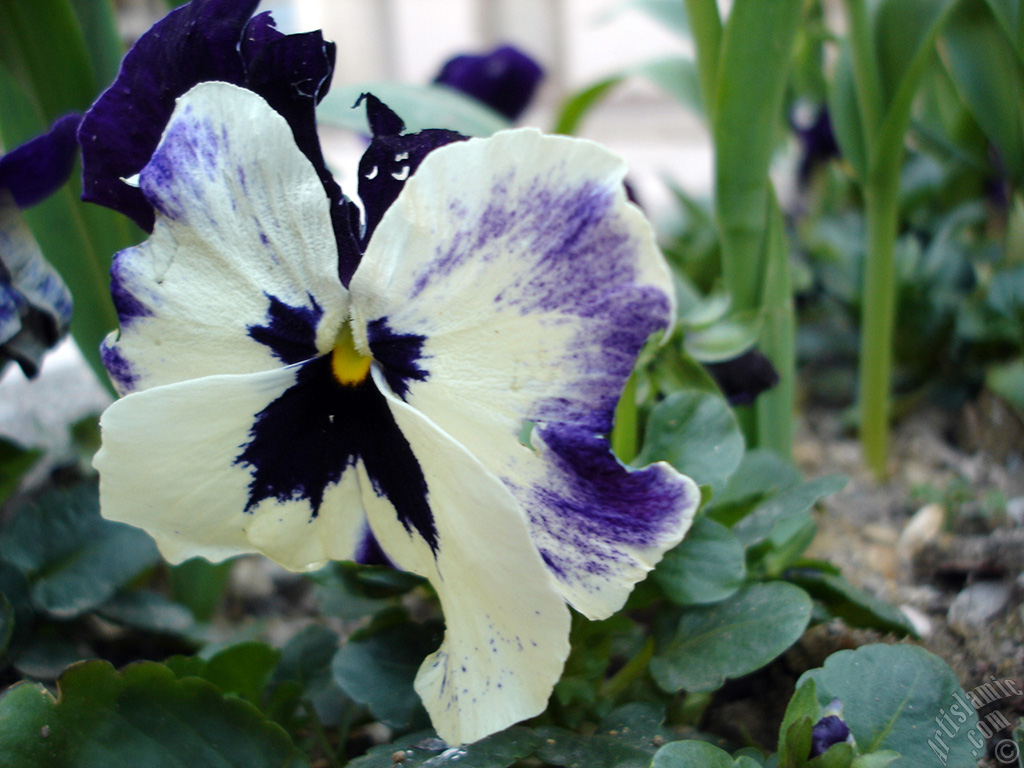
x: 599, y: 526
x: 240, y: 272
x: 507, y: 626
x: 203, y: 41
x: 35, y: 304
x: 521, y: 291
x: 39, y: 167
x: 169, y: 464
x: 391, y: 159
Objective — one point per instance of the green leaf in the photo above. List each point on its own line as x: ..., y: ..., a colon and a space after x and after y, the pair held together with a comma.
x: 732, y: 638
x: 696, y: 433
x: 726, y: 339
x: 420, y: 106
x: 851, y: 604
x: 572, y: 750
x: 844, y: 111
x: 803, y: 706
x: 98, y: 23
x: 881, y: 759
x: 15, y: 462
x: 149, y: 611
x: 761, y: 474
x: 1011, y: 17
x: 892, y: 696
x: 377, y: 667
x: 1007, y: 381
x: 425, y: 749
x: 990, y: 78
x: 676, y: 76
x: 691, y: 754
x: 755, y: 53
x: 840, y: 755
x: 579, y: 104
x: 140, y: 716
x: 708, y: 566
x: 75, y: 560
x: 199, y: 584
x: 670, y: 13
x: 797, y: 743
x: 776, y: 516
x: 6, y: 623
x: 47, y: 70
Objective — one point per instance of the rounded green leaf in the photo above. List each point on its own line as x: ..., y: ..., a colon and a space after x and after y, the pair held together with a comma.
x: 691, y: 754
x: 74, y: 559
x: 378, y: 668
x: 726, y: 339
x: 708, y: 566
x: 896, y: 697
x: 140, y: 716
x: 696, y: 433
x: 732, y: 638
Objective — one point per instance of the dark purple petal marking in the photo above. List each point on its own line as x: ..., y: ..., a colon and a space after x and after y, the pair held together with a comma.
x: 128, y: 307
x: 391, y: 159
x: 306, y: 439
x: 399, y: 355
x: 290, y: 332
x: 504, y: 79
x: 121, y: 372
x: 39, y: 167
x: 591, y: 505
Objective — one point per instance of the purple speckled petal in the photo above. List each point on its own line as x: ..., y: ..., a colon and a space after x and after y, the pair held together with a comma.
x: 240, y: 273
x: 532, y: 284
x: 599, y: 526
x: 504, y: 79
x: 205, y: 40
x: 506, y: 635
x: 39, y: 167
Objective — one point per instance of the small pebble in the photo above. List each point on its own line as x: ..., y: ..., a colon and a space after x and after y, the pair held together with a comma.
x: 923, y: 527
x: 977, y: 604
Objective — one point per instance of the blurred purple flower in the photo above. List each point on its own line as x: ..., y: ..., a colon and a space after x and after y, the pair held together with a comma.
x: 504, y: 79
x: 35, y: 305
x: 745, y: 377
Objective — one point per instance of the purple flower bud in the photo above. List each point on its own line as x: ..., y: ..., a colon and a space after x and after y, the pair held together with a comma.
x: 505, y: 79
x: 828, y: 731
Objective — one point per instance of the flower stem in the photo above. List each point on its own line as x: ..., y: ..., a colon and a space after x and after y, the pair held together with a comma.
x: 878, y: 313
x: 706, y: 26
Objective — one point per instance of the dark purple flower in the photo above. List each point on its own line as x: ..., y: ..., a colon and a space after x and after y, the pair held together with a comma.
x: 745, y: 377
x: 35, y: 306
x: 504, y: 79
x: 818, y: 143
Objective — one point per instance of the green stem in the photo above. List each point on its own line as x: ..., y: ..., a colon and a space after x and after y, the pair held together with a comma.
x: 330, y: 754
x: 625, y: 437
x: 865, y: 71
x: 706, y: 25
x: 878, y: 314
x: 634, y: 668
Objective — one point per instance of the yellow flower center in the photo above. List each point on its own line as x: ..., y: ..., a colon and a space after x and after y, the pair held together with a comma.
x: 350, y: 367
